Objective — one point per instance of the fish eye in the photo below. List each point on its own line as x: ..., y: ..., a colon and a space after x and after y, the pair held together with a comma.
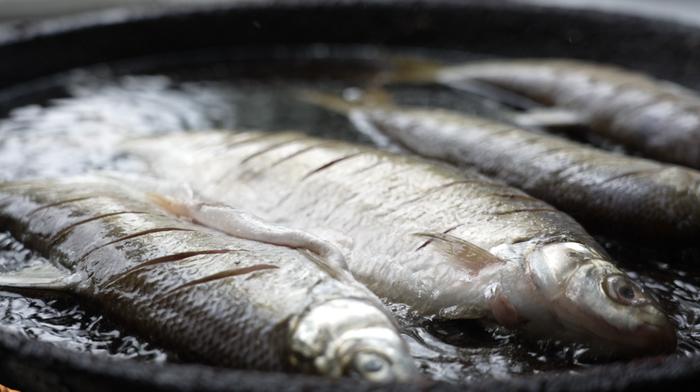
x: 372, y: 366
x: 622, y: 290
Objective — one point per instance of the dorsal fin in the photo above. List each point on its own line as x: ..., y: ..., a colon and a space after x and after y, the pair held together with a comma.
x: 243, y: 224
x: 465, y: 252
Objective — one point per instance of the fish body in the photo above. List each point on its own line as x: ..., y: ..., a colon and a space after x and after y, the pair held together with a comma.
x: 657, y: 118
x: 448, y: 243
x: 210, y: 297
x: 630, y: 195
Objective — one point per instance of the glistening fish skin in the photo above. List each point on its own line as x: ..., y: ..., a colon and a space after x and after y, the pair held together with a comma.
x: 448, y: 243
x: 208, y: 296
x: 633, y: 196
x: 657, y: 118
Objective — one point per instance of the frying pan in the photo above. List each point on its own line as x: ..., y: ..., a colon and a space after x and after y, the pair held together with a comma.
x: 35, y: 51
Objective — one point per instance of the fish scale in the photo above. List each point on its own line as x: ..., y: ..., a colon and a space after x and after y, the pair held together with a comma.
x: 642, y: 197
x: 211, y: 297
x: 658, y: 118
x: 287, y: 190
x: 478, y: 249
x: 397, y: 179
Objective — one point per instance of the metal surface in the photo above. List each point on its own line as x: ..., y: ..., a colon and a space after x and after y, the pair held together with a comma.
x: 661, y: 48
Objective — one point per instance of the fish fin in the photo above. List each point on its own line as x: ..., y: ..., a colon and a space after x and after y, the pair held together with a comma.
x: 327, y: 101
x: 548, y: 118
x: 41, y: 277
x: 377, y: 97
x: 245, y: 225
x: 504, y: 98
x: 504, y: 312
x: 467, y: 253
x: 154, y: 188
x: 372, y: 97
x: 366, y: 127
x: 419, y: 70
x: 407, y: 69
x: 169, y: 205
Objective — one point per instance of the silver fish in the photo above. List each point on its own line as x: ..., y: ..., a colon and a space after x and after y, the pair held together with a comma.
x: 658, y: 118
x: 450, y: 244
x: 632, y: 195
x: 207, y: 295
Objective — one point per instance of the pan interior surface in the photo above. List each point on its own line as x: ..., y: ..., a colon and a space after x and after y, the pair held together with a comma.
x: 68, y: 122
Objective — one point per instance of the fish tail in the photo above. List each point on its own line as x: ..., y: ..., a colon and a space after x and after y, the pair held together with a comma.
x: 327, y: 101
x: 373, y: 97
x: 403, y: 70
x: 377, y: 96
x: 412, y: 70
x: 169, y: 205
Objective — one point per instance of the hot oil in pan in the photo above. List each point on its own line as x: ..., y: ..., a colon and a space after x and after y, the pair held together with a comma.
x: 77, y: 132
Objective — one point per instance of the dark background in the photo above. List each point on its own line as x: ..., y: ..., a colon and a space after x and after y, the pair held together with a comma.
x: 688, y: 10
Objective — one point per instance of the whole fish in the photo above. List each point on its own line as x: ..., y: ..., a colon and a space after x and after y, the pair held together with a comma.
x: 450, y: 244
x: 207, y: 295
x: 630, y: 195
x: 657, y: 118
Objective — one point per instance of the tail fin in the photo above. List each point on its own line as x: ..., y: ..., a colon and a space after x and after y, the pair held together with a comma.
x: 412, y: 70
x: 356, y: 111
x: 374, y: 97
x: 327, y: 101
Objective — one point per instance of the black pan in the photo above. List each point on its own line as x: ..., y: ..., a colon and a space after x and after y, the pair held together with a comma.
x: 28, y: 53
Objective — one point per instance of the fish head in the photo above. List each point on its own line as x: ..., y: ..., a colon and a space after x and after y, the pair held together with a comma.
x: 352, y: 338
x: 596, y: 303
x: 374, y: 354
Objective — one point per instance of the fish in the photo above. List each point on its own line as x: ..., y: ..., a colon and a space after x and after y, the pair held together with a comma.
x: 657, y: 118
x: 633, y: 196
x: 448, y: 243
x: 199, y: 291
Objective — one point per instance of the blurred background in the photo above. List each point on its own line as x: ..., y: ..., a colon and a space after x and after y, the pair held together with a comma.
x: 13, y: 10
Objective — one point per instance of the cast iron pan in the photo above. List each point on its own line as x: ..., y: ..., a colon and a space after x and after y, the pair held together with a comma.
x: 661, y: 48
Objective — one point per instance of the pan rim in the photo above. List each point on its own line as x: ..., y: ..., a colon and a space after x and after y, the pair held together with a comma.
x: 26, y: 36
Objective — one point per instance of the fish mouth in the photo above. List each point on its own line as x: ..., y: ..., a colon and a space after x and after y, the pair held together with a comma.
x: 650, y: 338
x: 647, y: 339
x: 657, y: 338
x: 609, y: 340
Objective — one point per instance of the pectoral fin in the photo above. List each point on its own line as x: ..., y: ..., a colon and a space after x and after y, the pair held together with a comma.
x: 43, y: 277
x: 471, y: 255
x: 504, y: 312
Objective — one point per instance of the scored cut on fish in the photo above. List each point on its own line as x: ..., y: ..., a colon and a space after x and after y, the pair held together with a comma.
x: 634, y: 196
x: 658, y: 118
x: 449, y: 243
x: 207, y: 295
